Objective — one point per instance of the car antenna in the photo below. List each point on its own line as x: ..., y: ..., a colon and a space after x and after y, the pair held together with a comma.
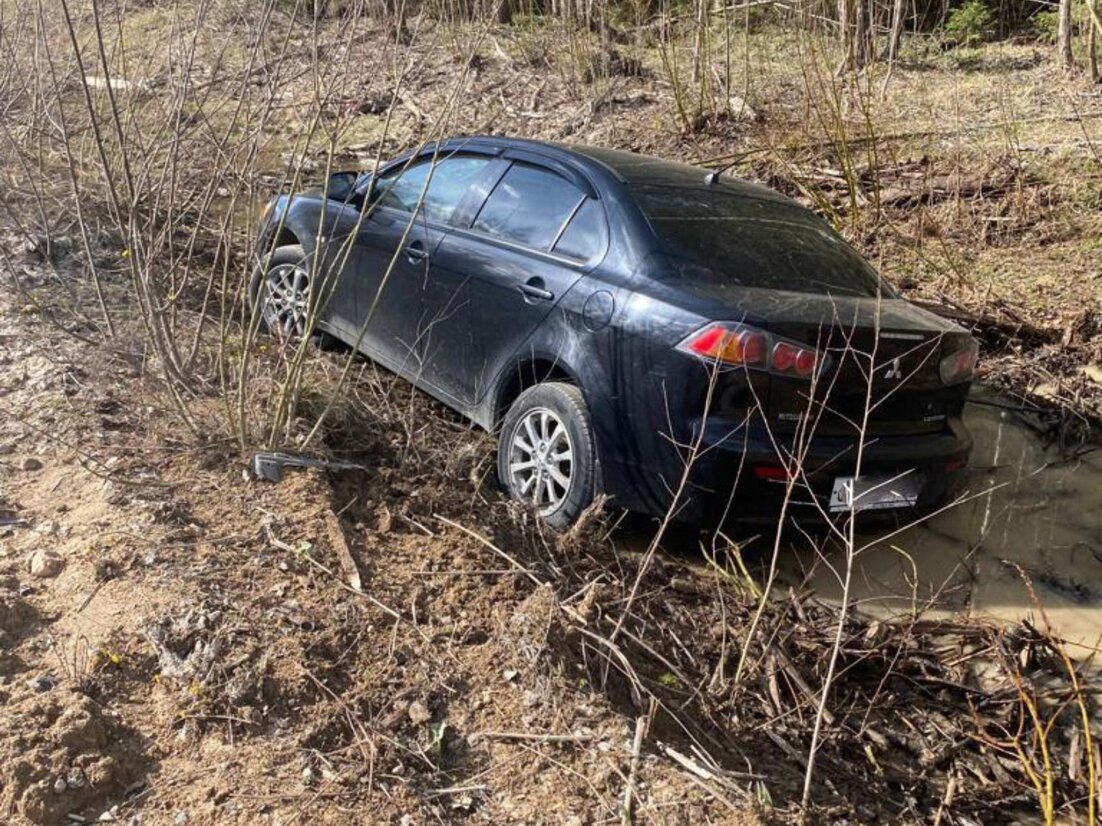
x: 713, y: 176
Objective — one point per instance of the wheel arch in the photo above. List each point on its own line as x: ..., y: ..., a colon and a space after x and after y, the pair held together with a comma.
x: 526, y: 373
x: 292, y: 220
x: 284, y: 236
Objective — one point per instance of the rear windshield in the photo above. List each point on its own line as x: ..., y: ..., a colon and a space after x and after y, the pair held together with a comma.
x: 718, y: 236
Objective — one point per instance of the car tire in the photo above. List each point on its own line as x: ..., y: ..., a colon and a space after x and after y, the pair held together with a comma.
x: 286, y: 269
x: 547, y: 438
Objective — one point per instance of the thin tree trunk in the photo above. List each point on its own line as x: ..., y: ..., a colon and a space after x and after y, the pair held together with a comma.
x: 896, y: 36
x: 698, y: 40
x: 1092, y: 39
x: 845, y: 28
x: 856, y: 34
x: 862, y: 33
x: 1064, y: 41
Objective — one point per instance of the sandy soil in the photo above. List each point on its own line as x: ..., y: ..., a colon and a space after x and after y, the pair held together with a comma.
x: 181, y: 643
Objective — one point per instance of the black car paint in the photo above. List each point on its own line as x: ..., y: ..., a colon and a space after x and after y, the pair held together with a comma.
x: 473, y: 338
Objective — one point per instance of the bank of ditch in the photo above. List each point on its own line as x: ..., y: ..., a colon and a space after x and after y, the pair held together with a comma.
x: 401, y: 642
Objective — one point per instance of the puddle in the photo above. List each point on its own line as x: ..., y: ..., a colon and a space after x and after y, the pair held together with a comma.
x: 1030, y: 512
x: 1027, y: 536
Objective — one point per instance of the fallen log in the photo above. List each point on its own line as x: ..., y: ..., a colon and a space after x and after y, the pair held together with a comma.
x: 997, y: 332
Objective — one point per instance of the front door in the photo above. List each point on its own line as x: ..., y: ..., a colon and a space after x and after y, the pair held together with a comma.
x: 393, y: 256
x: 395, y: 248
x: 332, y: 270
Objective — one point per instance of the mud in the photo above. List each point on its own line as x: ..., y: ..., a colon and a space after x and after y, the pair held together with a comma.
x: 1024, y: 541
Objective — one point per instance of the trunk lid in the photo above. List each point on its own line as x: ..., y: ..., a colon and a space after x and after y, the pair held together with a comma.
x: 903, y: 344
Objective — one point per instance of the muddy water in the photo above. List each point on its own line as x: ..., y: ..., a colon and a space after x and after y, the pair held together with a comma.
x: 1030, y: 515
x: 1023, y: 541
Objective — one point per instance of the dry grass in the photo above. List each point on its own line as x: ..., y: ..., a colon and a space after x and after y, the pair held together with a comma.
x: 518, y: 645
x: 970, y: 176
x: 271, y: 99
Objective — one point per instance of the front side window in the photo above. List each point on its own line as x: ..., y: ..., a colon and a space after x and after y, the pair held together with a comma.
x: 529, y: 206
x: 724, y: 237
x: 451, y: 177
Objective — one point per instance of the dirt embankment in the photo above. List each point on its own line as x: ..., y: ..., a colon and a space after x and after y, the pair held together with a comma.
x: 180, y: 643
x: 184, y: 644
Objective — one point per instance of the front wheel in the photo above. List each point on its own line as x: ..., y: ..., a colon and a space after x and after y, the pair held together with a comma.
x: 280, y: 291
x: 545, y: 454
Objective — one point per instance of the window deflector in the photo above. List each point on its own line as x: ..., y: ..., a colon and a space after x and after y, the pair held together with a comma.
x: 566, y: 223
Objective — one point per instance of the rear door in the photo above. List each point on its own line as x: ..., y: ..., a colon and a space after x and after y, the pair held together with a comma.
x: 412, y: 206
x: 495, y: 280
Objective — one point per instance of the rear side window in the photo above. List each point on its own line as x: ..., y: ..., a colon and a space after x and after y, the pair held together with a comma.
x: 584, y: 236
x: 450, y: 180
x: 529, y: 206
x: 722, y: 237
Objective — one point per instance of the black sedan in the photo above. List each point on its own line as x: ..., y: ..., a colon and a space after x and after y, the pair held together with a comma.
x: 673, y: 338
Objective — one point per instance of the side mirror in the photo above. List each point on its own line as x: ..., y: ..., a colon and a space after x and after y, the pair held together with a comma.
x: 341, y: 185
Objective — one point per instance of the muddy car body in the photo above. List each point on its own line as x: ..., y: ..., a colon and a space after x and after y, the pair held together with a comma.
x: 682, y: 318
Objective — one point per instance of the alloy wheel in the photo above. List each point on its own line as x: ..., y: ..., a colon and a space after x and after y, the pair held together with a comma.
x: 288, y: 297
x: 541, y: 460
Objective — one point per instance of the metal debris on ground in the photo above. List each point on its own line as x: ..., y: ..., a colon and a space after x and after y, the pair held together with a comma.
x: 268, y: 465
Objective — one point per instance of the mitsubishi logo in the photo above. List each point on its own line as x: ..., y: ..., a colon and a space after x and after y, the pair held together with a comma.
x: 893, y: 371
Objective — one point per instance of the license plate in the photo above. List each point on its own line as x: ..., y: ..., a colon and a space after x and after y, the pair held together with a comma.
x: 868, y: 493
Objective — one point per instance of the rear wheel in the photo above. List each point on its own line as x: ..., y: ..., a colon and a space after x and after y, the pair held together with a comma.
x: 545, y: 454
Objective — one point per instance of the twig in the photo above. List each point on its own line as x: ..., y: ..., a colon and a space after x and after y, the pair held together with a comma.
x: 384, y: 608
x: 490, y: 545
x: 693, y: 767
x: 90, y: 596
x: 344, y: 554
x: 579, y: 737
x: 455, y: 790
x: 946, y: 800
x: 636, y: 750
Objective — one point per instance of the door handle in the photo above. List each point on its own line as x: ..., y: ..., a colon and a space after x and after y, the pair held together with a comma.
x: 533, y: 288
x: 416, y: 252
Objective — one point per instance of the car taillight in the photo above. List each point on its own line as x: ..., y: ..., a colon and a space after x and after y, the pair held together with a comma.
x: 740, y: 344
x: 792, y: 359
x: 961, y: 365
x: 731, y: 345
x: 771, y: 472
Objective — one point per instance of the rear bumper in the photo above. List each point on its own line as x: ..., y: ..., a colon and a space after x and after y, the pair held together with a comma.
x: 724, y: 484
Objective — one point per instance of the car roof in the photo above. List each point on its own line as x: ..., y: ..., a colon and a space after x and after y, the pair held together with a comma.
x: 631, y: 168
